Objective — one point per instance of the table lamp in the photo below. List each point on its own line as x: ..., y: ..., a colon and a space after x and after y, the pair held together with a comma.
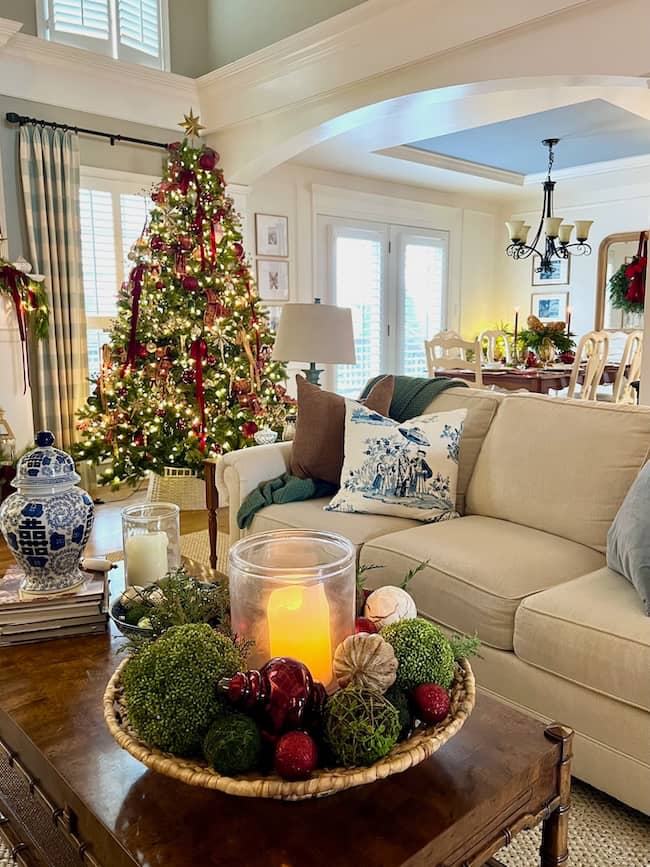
x: 320, y: 331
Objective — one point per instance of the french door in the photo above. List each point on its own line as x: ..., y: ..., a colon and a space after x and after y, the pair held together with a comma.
x: 394, y: 278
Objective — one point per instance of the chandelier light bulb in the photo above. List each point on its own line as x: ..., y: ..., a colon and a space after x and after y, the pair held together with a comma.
x: 565, y: 233
x: 552, y: 226
x: 582, y: 229
x: 514, y: 229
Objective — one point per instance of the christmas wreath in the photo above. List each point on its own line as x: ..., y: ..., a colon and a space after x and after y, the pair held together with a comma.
x: 627, y: 285
x: 28, y: 297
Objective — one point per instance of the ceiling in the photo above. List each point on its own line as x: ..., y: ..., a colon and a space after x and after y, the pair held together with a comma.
x: 589, y: 132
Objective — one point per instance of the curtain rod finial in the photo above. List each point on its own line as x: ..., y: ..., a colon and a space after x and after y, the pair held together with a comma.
x: 12, y: 117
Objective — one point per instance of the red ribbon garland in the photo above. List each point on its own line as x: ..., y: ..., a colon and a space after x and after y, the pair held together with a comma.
x: 135, y: 279
x: 199, y: 351
x: 11, y: 276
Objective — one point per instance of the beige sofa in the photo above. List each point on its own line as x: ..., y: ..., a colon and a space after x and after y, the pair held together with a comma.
x: 564, y: 638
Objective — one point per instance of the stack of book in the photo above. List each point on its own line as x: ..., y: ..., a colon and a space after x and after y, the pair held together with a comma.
x: 82, y: 611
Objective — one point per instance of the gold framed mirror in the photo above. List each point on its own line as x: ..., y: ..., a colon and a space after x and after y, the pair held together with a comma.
x: 613, y: 251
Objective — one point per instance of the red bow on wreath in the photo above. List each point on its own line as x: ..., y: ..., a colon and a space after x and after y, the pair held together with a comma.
x: 636, y: 272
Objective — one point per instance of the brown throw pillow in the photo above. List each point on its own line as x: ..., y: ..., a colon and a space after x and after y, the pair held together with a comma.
x: 318, y: 446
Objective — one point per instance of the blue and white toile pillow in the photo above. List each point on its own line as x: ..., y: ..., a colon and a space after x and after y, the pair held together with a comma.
x: 406, y: 469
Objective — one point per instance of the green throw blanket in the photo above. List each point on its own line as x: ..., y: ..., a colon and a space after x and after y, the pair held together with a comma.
x: 412, y: 394
x: 284, y: 489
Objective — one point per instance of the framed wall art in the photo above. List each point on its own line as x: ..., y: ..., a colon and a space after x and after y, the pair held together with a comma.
x: 273, y: 280
x: 271, y: 235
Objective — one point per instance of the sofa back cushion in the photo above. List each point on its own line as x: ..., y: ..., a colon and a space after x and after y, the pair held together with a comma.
x: 481, y: 406
x: 561, y: 466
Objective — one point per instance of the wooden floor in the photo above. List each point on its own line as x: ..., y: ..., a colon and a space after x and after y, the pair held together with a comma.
x: 107, y: 531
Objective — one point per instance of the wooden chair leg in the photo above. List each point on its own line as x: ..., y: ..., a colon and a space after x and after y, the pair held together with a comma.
x: 212, y: 504
x: 555, y: 830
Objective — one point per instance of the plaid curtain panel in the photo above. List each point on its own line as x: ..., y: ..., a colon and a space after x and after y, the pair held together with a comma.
x: 49, y: 166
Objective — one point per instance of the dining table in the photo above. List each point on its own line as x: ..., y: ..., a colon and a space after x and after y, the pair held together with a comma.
x: 539, y: 380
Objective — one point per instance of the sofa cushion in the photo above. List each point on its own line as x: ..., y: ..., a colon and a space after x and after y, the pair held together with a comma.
x: 562, y: 466
x: 481, y: 406
x: 591, y: 631
x: 311, y: 514
x: 479, y: 571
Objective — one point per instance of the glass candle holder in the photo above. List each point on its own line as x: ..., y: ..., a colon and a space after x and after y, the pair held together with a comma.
x: 292, y: 592
x: 151, y: 538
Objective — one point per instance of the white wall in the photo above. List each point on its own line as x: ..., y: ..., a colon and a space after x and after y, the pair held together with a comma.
x: 613, y: 208
x: 289, y: 190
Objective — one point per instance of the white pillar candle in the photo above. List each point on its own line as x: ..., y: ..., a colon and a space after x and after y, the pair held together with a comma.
x: 146, y: 558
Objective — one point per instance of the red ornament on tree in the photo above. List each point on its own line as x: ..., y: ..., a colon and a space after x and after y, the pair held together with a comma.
x: 208, y: 159
x: 211, y: 360
x: 157, y: 244
x: 174, y: 146
x: 185, y: 242
x: 430, y: 702
x: 190, y: 283
x: 249, y: 429
x: 282, y: 695
x: 189, y: 375
x: 238, y: 250
x: 296, y: 756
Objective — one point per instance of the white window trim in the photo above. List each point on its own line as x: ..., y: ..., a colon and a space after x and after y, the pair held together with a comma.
x: 112, y: 48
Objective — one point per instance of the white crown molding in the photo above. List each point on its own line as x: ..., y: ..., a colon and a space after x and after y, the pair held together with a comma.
x: 413, y: 154
x: 61, y: 75
x: 639, y: 162
x: 366, y: 41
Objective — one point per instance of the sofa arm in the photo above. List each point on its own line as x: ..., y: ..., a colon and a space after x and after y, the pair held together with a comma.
x: 242, y: 471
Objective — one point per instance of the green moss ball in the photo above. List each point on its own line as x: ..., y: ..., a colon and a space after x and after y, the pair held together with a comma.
x: 137, y: 612
x: 399, y: 699
x: 232, y: 744
x: 170, y: 686
x: 423, y: 652
x: 360, y: 726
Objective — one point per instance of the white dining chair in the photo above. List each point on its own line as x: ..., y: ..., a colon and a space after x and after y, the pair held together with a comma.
x: 448, y: 351
x: 589, y: 364
x: 629, y: 370
x: 488, y: 342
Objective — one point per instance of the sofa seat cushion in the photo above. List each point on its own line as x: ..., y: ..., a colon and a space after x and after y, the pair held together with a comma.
x: 591, y: 631
x: 479, y: 571
x: 310, y: 515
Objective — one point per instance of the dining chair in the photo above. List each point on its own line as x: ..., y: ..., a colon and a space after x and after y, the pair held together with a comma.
x: 445, y: 350
x: 488, y: 342
x: 629, y: 369
x: 590, y: 361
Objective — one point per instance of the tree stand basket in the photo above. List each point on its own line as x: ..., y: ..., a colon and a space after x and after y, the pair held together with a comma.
x: 177, y: 485
x: 424, y: 741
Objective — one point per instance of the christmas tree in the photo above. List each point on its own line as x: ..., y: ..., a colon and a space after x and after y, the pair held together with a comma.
x: 188, y: 371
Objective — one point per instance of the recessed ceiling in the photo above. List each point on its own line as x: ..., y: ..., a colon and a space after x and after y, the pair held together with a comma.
x: 589, y: 132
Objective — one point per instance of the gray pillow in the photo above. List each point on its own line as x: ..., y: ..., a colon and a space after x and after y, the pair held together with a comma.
x: 628, y: 539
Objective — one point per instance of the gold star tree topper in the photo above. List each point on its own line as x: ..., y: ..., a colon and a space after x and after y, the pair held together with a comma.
x: 191, y: 124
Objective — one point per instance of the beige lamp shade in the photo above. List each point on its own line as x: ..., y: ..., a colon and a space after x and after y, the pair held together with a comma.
x: 315, y: 332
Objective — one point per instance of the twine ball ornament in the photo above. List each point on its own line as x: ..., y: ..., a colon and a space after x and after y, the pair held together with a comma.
x: 365, y: 660
x: 361, y: 726
x: 389, y: 605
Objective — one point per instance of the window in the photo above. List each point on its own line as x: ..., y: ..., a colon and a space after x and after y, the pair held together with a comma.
x: 131, y: 30
x: 113, y: 212
x: 394, y: 278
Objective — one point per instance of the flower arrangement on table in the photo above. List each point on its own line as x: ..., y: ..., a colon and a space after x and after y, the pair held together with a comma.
x: 184, y: 699
x: 545, y: 339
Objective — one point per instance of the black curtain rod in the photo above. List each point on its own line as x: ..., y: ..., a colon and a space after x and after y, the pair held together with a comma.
x: 23, y: 119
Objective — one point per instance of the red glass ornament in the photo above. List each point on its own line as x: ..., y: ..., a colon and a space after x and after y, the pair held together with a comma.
x: 208, y: 159
x: 364, y: 624
x: 238, y: 250
x: 249, y: 429
x: 190, y: 283
x: 174, y: 146
x: 296, y: 756
x: 282, y: 695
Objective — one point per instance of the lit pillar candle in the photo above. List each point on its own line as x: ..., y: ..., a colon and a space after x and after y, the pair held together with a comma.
x: 299, y: 626
x: 146, y: 558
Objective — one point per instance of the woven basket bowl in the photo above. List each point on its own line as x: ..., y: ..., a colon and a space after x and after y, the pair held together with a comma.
x: 422, y: 744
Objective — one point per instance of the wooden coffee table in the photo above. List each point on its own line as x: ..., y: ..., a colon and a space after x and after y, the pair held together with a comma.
x: 66, y: 783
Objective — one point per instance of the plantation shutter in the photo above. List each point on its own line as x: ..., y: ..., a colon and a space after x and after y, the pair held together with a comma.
x: 133, y: 214
x: 139, y: 31
x: 82, y: 23
x: 98, y: 253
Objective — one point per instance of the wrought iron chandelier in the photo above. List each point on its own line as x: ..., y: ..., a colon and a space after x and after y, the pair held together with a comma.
x: 557, y: 235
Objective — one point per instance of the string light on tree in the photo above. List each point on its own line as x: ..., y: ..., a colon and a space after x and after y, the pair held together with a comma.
x: 189, y: 335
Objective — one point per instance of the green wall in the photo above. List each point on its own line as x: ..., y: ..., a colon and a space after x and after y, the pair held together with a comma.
x: 189, y: 37
x: 239, y: 27
x: 94, y: 152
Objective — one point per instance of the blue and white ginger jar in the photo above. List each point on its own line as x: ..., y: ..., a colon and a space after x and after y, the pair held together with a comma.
x: 47, y: 522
